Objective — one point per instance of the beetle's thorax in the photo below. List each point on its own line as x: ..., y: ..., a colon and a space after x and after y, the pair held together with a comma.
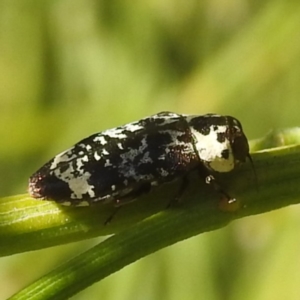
x: 217, y: 155
x: 214, y: 139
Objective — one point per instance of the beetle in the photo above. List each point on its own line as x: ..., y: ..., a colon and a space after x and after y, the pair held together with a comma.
x: 120, y: 164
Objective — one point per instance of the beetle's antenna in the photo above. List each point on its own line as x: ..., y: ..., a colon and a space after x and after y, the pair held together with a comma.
x: 254, y: 171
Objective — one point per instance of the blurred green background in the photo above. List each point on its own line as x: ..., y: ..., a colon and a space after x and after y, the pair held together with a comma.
x: 71, y: 68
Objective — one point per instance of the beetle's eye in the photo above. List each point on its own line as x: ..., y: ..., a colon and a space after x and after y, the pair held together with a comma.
x: 240, y: 147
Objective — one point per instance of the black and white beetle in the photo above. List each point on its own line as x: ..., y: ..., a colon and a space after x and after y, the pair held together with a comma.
x: 119, y: 164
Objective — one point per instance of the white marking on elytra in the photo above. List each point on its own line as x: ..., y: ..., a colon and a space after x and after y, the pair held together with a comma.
x: 146, y: 158
x: 80, y: 164
x: 115, y: 133
x: 105, y: 152
x: 79, y: 186
x: 167, y: 118
x: 163, y: 172
x: 135, y: 126
x: 131, y: 173
x: 101, y: 139
x: 131, y: 154
x: 64, y: 156
x: 97, y: 156
x: 163, y: 156
x: 85, y: 158
x: 210, y: 149
x: 107, y: 163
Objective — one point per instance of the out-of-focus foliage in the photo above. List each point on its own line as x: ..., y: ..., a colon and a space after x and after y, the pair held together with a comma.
x: 70, y: 68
